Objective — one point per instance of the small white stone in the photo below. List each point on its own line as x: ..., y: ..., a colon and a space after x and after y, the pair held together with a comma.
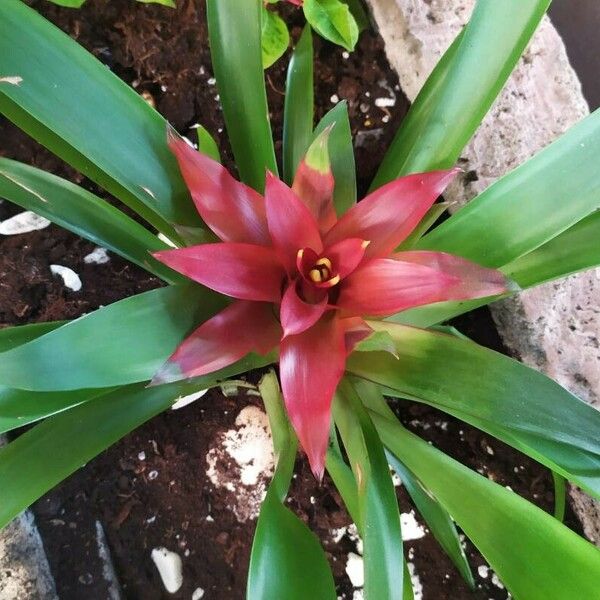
x: 141, y: 455
x: 198, y: 593
x: 355, y: 569
x: 69, y: 277
x: 211, y: 81
x: 23, y: 223
x: 411, y: 529
x: 483, y: 571
x: 497, y: 581
x: 185, y: 400
x: 417, y: 586
x: 152, y: 475
x: 98, y: 256
x: 385, y: 102
x: 170, y: 568
x: 345, y: 55
x: 334, y: 99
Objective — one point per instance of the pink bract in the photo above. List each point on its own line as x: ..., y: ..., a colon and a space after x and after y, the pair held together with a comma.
x: 303, y: 279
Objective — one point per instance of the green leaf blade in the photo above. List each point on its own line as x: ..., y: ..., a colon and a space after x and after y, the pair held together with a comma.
x: 333, y: 20
x: 341, y: 154
x: 513, y: 402
x: 81, y: 212
x: 125, y: 342
x: 234, y: 30
x: 461, y: 88
x: 95, y: 122
x: 535, y: 555
x: 298, y: 109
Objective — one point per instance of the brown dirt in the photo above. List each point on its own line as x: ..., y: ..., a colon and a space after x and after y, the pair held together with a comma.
x: 164, y: 53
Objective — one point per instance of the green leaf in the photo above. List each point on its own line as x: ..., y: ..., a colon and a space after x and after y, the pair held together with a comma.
x: 378, y: 508
x: 576, y: 249
x: 461, y: 88
x: 83, y: 213
x: 68, y: 3
x: 492, y: 392
x: 560, y: 496
x: 378, y: 341
x: 359, y: 13
x: 72, y: 104
x: 119, y: 344
x: 535, y: 555
x: 287, y: 560
x: 45, y: 455
x: 19, y: 407
x: 207, y: 144
x: 341, y: 154
x: 333, y: 20
x: 234, y: 30
x: 169, y: 3
x: 299, y: 105
x: 284, y: 550
x: 11, y: 337
x: 275, y: 37
x: 437, y: 518
x: 531, y: 205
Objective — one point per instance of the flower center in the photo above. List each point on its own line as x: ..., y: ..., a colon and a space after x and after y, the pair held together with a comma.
x: 321, y: 270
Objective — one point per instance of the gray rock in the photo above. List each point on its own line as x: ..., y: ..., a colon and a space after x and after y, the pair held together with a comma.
x: 23, y: 563
x: 555, y: 327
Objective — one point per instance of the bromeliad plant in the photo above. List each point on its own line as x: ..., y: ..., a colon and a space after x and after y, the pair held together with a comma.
x: 305, y: 264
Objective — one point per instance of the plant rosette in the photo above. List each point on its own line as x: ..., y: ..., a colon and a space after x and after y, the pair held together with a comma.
x: 303, y: 279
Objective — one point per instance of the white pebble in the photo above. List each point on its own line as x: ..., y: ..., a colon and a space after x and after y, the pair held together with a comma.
x: 23, y: 223
x: 385, y: 102
x: 98, y: 256
x: 142, y: 455
x: 69, y: 277
x: 198, y: 593
x: 185, y: 400
x: 152, y: 475
x: 483, y: 571
x: 417, y: 586
x: 345, y: 55
x: 355, y: 569
x: 334, y: 99
x: 170, y: 568
x: 211, y: 81
x: 411, y: 529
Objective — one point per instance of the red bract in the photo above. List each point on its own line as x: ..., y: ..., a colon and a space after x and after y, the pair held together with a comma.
x: 303, y: 279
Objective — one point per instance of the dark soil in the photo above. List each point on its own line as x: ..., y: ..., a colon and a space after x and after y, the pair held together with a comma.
x: 164, y: 498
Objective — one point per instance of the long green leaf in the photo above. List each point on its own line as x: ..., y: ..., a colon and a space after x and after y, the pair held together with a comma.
x: 45, y: 455
x: 378, y: 508
x: 299, y: 108
x: 342, y: 156
x: 461, y: 90
x: 83, y: 213
x: 11, y: 337
x: 119, y: 344
x: 234, y: 30
x: 284, y: 550
x: 72, y: 104
x: 535, y: 555
x: 437, y: 518
x: 439, y: 521
x: 20, y: 407
x: 531, y: 205
x: 495, y: 393
x: 576, y: 249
